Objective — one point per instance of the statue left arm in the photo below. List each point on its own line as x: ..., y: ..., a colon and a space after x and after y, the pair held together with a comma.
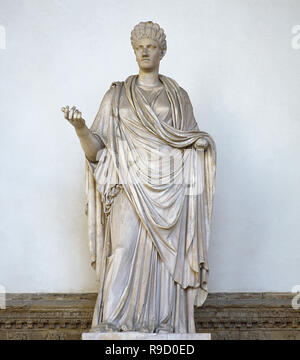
x: 201, y: 143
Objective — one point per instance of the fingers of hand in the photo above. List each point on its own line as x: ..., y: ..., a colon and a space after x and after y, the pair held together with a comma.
x: 77, y: 115
x: 66, y: 110
x: 73, y: 115
x: 72, y: 112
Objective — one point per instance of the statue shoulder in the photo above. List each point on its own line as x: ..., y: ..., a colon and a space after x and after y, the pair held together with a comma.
x: 182, y: 92
x: 185, y: 96
x: 116, y: 84
x: 108, y: 96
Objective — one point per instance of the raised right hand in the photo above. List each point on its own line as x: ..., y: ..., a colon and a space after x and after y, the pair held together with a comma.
x: 74, y: 117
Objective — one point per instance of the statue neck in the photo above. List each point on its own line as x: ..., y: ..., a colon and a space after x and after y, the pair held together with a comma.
x: 148, y: 78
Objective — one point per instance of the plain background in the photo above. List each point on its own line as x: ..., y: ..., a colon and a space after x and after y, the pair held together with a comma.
x: 235, y: 60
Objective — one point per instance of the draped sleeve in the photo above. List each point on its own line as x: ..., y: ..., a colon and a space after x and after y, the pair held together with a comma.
x: 94, y: 208
x: 190, y: 122
x: 101, y: 123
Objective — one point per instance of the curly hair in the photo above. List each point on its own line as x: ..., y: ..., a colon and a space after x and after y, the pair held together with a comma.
x: 149, y: 30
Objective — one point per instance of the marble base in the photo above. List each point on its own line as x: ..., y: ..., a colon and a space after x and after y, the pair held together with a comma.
x: 132, y: 335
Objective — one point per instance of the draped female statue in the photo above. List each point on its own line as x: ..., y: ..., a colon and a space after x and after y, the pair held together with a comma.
x: 150, y: 179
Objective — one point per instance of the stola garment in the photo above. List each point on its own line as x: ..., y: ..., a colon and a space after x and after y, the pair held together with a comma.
x: 149, y: 221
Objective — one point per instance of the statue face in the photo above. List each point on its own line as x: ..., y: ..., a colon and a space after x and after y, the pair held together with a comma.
x: 148, y: 54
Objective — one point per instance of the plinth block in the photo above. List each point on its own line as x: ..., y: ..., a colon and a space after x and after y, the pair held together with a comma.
x: 132, y: 335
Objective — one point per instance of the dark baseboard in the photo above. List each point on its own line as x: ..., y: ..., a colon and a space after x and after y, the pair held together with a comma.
x: 249, y: 316
x: 228, y: 316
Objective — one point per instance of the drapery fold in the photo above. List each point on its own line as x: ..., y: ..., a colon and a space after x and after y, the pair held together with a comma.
x: 169, y: 184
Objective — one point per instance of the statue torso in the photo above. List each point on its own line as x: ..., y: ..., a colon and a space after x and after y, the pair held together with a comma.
x: 156, y: 97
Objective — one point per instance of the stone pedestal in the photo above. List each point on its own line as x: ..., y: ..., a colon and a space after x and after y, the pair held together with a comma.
x: 144, y: 336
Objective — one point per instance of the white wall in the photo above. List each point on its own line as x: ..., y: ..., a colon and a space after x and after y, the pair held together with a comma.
x: 234, y: 58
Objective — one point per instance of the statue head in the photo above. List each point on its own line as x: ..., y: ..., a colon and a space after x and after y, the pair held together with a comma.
x: 149, y: 43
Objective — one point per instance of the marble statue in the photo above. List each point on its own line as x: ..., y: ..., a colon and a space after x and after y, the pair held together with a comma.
x: 150, y: 178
